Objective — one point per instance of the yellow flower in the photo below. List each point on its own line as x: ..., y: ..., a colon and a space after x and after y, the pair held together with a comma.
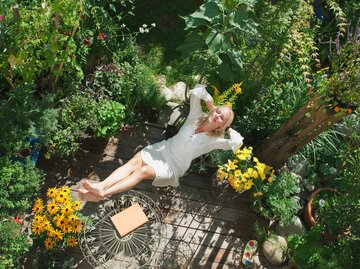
x: 61, y: 221
x: 230, y: 165
x: 255, y: 159
x: 229, y: 105
x: 66, y: 209
x: 66, y: 229
x: 72, y: 218
x: 57, y: 235
x: 72, y: 241
x: 47, y: 225
x: 222, y: 174
x: 52, y: 192
x: 52, y: 207
x: 76, y: 205
x: 38, y: 218
x: 65, y: 189
x: 238, y: 173
x: 270, y: 179
x: 37, y: 228
x: 248, y: 184
x: 256, y: 194
x: 237, y: 88
x: 38, y: 208
x: 49, y: 243
x: 77, y: 226
x: 254, y: 174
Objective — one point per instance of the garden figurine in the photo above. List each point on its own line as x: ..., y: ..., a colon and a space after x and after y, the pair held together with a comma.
x: 165, y: 162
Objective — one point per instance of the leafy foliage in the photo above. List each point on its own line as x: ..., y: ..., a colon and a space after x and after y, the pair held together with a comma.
x: 19, y: 184
x: 13, y: 244
x: 218, y: 30
x: 110, y: 117
x: 277, y: 201
x: 23, y: 115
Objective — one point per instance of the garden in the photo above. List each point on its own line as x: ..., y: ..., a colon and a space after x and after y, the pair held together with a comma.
x: 75, y: 70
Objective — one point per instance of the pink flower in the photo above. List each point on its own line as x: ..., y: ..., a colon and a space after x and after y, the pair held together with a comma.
x: 2, y: 17
x: 101, y: 36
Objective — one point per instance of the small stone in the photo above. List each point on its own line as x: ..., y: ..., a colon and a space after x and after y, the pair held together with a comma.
x: 166, y: 92
x: 178, y: 91
x: 310, y: 187
x: 275, y: 249
x: 295, y: 227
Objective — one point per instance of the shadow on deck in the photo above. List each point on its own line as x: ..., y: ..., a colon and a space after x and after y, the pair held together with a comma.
x: 201, y: 228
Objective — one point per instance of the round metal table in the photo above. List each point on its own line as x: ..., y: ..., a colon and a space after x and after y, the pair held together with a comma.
x: 103, y: 247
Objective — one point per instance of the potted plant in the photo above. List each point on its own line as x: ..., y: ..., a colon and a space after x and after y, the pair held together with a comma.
x: 243, y: 173
x: 317, y: 200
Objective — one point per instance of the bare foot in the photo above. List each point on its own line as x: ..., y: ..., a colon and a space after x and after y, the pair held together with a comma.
x: 87, y: 196
x: 94, y: 188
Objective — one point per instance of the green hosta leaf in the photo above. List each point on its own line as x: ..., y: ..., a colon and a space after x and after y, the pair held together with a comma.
x: 215, y: 41
x: 192, y: 43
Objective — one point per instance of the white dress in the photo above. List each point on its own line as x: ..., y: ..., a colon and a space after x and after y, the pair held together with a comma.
x: 172, y: 158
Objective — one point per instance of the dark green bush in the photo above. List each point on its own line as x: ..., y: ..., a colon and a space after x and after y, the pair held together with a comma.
x: 22, y: 115
x: 13, y: 244
x: 19, y: 185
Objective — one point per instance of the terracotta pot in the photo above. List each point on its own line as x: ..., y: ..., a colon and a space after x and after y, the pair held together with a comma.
x: 24, y: 152
x: 309, y: 217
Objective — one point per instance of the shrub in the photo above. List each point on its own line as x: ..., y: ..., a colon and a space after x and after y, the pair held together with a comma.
x: 77, y: 116
x: 19, y: 184
x: 13, y: 244
x: 23, y: 115
x: 277, y: 200
x: 110, y: 117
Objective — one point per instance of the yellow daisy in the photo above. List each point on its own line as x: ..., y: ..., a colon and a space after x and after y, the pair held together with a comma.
x: 76, y: 205
x: 72, y: 241
x: 52, y: 207
x: 77, y: 226
x: 37, y: 228
x: 72, y: 218
x: 65, y: 189
x: 52, y: 192
x: 57, y: 235
x: 49, y: 243
x: 38, y: 208
x: 67, y: 209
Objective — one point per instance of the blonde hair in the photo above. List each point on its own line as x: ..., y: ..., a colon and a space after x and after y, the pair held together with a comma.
x: 220, y: 131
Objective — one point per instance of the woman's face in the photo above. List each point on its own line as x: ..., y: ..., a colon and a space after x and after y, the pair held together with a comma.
x: 219, y: 117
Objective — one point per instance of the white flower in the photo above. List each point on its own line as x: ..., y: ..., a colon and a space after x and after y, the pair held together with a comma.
x: 141, y: 30
x: 322, y: 202
x: 144, y: 25
x: 153, y: 24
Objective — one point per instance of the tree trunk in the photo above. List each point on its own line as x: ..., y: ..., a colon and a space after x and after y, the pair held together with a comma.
x: 311, y: 120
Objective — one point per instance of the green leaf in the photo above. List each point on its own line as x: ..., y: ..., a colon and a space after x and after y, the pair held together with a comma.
x: 215, y: 41
x: 225, y: 72
x: 206, y: 13
x: 191, y: 43
x: 238, y: 18
x: 235, y: 57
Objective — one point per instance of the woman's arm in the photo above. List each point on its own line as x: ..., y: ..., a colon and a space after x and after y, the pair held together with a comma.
x: 210, y: 105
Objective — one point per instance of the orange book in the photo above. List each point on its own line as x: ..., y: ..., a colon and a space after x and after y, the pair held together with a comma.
x: 129, y: 219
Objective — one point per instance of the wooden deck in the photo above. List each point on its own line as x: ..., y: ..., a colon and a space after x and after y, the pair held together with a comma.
x: 209, y: 231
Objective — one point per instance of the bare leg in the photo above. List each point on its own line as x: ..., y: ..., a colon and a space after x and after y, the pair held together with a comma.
x: 115, y: 177
x: 145, y: 172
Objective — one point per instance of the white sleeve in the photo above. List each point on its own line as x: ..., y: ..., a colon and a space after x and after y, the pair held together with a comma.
x: 235, y: 142
x: 198, y: 93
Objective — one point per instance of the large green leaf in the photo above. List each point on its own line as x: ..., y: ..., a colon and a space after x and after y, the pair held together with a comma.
x: 191, y: 43
x: 235, y: 57
x: 239, y: 18
x: 215, y: 41
x: 206, y: 13
x: 225, y: 72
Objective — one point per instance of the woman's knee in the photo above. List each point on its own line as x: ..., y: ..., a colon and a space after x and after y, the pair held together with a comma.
x: 136, y: 161
x: 147, y: 172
